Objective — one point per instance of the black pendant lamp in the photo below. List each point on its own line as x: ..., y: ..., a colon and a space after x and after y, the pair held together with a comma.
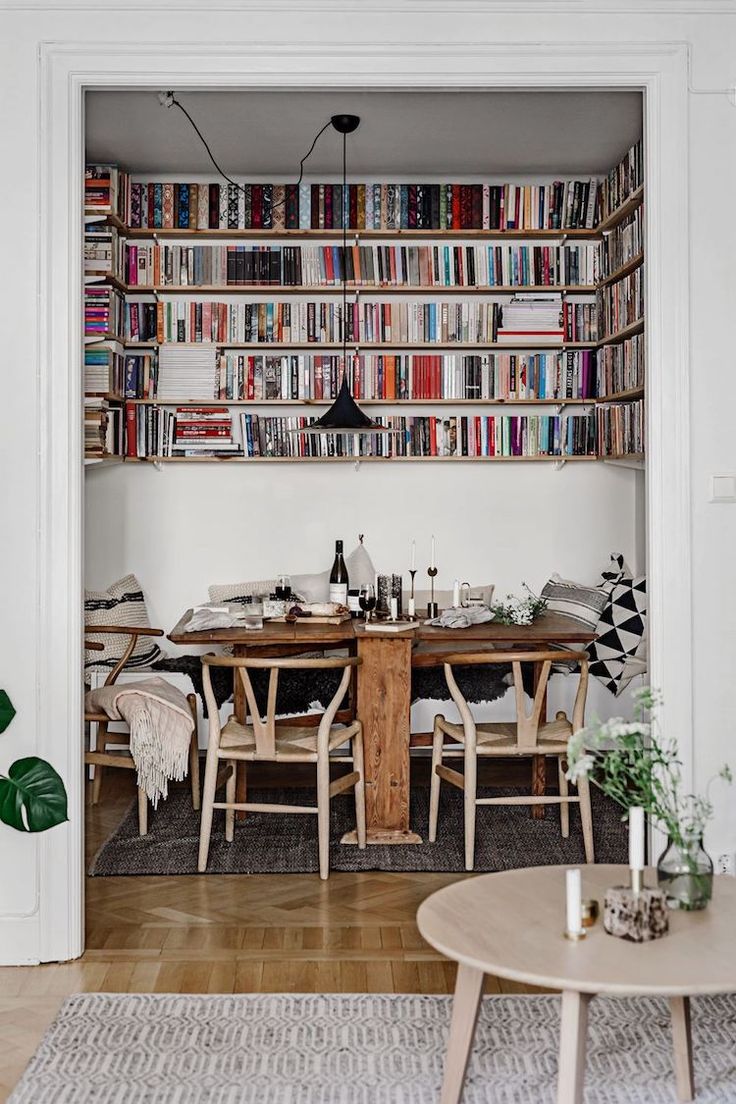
x: 345, y: 416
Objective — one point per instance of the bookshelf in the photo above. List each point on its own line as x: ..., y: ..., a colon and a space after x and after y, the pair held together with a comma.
x: 616, y: 400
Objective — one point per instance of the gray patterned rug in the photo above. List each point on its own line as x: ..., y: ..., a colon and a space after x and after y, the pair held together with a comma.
x: 506, y: 837
x: 369, y: 1049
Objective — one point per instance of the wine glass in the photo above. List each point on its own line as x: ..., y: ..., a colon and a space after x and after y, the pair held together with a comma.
x: 367, y: 600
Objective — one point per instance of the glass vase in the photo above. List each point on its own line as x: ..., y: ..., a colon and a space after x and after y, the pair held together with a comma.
x: 685, y: 873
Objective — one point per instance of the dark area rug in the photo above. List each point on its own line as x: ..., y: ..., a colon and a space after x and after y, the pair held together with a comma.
x: 506, y: 837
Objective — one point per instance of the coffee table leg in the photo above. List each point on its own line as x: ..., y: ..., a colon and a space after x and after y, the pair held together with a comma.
x: 465, y: 1005
x: 573, y: 1032
x: 682, y: 1039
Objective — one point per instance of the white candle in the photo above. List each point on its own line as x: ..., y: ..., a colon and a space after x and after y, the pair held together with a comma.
x: 574, y: 901
x: 432, y: 558
x: 413, y: 555
x: 412, y: 607
x: 456, y: 594
x: 394, y: 608
x: 636, y: 838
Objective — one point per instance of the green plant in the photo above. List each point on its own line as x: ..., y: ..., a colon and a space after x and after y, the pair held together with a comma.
x: 635, y: 764
x: 32, y: 794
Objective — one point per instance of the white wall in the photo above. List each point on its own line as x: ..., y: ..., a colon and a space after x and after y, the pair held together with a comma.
x: 711, y: 32
x: 187, y: 526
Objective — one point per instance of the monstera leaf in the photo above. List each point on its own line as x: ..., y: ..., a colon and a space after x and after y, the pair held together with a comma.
x: 32, y: 794
x: 32, y: 797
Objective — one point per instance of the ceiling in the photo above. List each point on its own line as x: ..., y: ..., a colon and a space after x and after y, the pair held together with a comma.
x: 401, y: 133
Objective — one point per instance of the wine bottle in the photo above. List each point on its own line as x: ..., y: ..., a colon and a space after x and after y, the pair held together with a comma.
x: 339, y: 577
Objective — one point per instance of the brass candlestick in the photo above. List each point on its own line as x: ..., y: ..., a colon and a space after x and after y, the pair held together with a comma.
x: 412, y: 604
x: 432, y: 610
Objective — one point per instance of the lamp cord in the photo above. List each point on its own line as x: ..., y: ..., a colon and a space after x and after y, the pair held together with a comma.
x: 229, y: 179
x: 344, y: 256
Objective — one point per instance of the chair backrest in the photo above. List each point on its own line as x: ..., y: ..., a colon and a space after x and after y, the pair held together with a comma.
x: 527, y: 722
x: 264, y: 725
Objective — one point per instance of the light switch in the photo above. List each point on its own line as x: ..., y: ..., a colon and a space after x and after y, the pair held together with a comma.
x: 723, y: 488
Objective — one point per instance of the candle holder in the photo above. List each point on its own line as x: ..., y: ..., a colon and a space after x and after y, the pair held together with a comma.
x: 432, y: 610
x: 412, y: 603
x: 635, y: 912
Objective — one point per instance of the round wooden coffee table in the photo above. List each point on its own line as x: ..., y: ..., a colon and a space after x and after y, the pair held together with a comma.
x: 511, y: 924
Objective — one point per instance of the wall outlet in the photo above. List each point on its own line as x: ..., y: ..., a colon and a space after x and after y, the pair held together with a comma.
x: 726, y: 863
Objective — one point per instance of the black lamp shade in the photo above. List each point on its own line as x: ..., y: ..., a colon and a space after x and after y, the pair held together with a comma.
x: 344, y: 416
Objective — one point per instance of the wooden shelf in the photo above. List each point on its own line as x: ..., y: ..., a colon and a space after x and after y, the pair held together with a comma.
x: 95, y: 339
x: 624, y: 270
x: 102, y: 461
x: 622, y: 396
x: 334, y: 346
x: 345, y: 459
x: 621, y: 335
x: 361, y: 401
x: 635, y: 200
x: 355, y: 235
x: 336, y: 289
x: 103, y: 214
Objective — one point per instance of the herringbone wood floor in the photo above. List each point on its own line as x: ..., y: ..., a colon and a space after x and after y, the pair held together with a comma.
x: 225, y: 934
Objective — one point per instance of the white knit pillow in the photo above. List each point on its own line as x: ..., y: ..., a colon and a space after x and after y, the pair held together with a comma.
x: 121, y: 604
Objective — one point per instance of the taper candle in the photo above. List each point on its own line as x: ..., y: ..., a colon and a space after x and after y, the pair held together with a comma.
x: 413, y: 555
x: 456, y: 594
x: 574, y: 901
x: 636, y: 837
x: 394, y: 608
x: 432, y: 563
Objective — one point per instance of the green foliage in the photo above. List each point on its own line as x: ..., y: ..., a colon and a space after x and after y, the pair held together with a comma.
x: 32, y: 794
x: 632, y: 762
x: 7, y: 710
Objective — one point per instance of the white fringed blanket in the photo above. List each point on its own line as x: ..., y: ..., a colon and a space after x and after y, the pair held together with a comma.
x: 160, y: 724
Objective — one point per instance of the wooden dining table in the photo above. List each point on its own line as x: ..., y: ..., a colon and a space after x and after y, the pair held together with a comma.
x: 383, y: 698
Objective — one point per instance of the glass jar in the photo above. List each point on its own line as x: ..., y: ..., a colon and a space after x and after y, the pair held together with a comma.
x: 685, y: 873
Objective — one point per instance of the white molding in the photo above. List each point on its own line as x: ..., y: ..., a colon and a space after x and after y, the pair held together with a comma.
x: 68, y: 68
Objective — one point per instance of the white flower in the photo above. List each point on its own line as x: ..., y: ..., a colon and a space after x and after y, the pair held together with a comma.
x: 580, y: 768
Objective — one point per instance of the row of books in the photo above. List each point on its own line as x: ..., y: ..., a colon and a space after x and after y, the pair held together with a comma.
x: 103, y: 253
x: 620, y: 429
x: 103, y: 310
x: 409, y: 378
x: 106, y: 189
x: 624, y: 242
x: 579, y: 321
x: 188, y: 431
x: 621, y: 304
x: 104, y: 369
x: 621, y: 181
x: 368, y: 265
x: 620, y: 367
x: 467, y: 322
x: 103, y: 429
x: 155, y: 431
x: 568, y: 204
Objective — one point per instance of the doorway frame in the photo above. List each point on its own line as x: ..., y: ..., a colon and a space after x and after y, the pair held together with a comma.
x: 67, y: 72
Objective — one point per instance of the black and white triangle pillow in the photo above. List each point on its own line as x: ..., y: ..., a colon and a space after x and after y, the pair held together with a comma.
x: 620, y: 651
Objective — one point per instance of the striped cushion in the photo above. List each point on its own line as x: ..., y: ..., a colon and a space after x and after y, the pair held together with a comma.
x: 121, y: 604
x: 584, y: 603
x: 239, y: 592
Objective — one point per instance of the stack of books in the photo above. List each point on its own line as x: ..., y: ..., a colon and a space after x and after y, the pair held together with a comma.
x: 103, y: 310
x: 533, y: 317
x: 203, y: 430
x: 187, y: 373
x: 103, y: 369
x: 102, y: 429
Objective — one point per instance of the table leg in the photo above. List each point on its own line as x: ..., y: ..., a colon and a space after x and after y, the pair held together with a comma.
x: 384, y: 702
x: 573, y: 1032
x: 465, y: 1007
x: 539, y: 763
x: 683, y: 1043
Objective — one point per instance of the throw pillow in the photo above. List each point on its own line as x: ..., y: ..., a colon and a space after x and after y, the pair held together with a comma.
x: 620, y: 651
x: 584, y: 604
x: 239, y: 592
x: 121, y: 604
